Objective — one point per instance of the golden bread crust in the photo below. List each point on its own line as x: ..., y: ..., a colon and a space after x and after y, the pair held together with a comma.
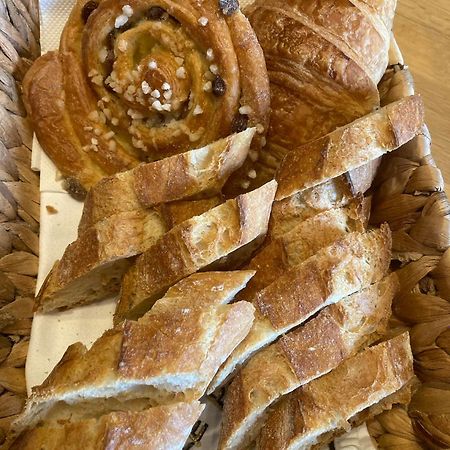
x: 159, y: 428
x: 338, y: 332
x: 193, y: 245
x: 351, y: 146
x: 328, y: 402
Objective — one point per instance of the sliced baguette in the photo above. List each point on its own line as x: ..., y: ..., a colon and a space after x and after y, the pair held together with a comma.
x: 302, y: 418
x: 201, y: 171
x: 92, y: 266
x: 350, y: 147
x: 170, y: 355
x: 352, y: 263
x: 302, y: 242
x: 289, y: 212
x: 339, y: 331
x: 194, y: 245
x: 159, y: 428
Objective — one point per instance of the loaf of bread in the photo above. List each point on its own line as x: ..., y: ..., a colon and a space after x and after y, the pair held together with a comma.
x: 158, y: 428
x: 352, y: 263
x: 306, y: 416
x: 170, y: 355
x: 201, y: 172
x: 338, y: 332
x: 193, y: 245
x: 350, y: 147
x: 302, y: 242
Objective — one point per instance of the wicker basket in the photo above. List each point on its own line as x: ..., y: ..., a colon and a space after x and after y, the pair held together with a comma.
x: 408, y: 195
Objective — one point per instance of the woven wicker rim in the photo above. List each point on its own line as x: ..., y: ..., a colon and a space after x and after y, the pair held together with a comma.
x: 408, y: 194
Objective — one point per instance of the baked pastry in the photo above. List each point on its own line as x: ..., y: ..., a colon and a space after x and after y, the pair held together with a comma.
x: 324, y: 59
x: 351, y: 146
x: 195, y: 174
x: 158, y: 428
x: 315, y: 413
x: 338, y: 332
x: 142, y: 80
x: 194, y: 245
x: 352, y: 263
x: 169, y: 355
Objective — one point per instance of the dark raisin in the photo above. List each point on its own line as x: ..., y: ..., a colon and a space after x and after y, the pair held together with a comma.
x: 110, y: 38
x: 239, y: 123
x: 75, y: 189
x: 155, y: 13
x: 88, y: 9
x: 126, y: 27
x: 219, y: 86
x: 228, y: 7
x: 109, y: 61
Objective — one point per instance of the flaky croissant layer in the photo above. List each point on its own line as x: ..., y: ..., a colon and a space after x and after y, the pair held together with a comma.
x: 324, y: 59
x: 139, y: 80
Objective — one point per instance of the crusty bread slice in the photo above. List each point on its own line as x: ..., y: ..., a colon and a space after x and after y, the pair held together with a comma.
x: 92, y: 266
x: 289, y: 212
x: 158, y: 428
x: 301, y: 419
x: 302, y: 242
x: 339, y: 331
x: 352, y: 263
x: 170, y: 355
x: 201, y: 171
x: 194, y: 245
x: 350, y: 147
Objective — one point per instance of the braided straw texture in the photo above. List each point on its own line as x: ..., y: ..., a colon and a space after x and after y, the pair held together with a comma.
x: 19, y: 204
x: 408, y: 195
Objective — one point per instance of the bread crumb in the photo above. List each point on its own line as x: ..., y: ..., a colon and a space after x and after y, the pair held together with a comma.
x: 51, y: 209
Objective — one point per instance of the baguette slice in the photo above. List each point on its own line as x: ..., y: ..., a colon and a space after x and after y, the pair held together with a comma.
x: 351, y: 146
x: 290, y: 212
x: 92, y: 266
x: 171, y: 354
x: 302, y: 418
x: 302, y: 242
x: 201, y: 171
x: 352, y: 263
x: 194, y: 245
x: 339, y: 331
x: 159, y: 428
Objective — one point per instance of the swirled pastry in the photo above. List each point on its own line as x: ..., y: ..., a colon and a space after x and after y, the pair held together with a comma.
x: 324, y: 59
x: 140, y: 80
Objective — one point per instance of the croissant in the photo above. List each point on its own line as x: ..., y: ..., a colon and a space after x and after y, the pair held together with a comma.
x: 324, y: 59
x: 140, y: 80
